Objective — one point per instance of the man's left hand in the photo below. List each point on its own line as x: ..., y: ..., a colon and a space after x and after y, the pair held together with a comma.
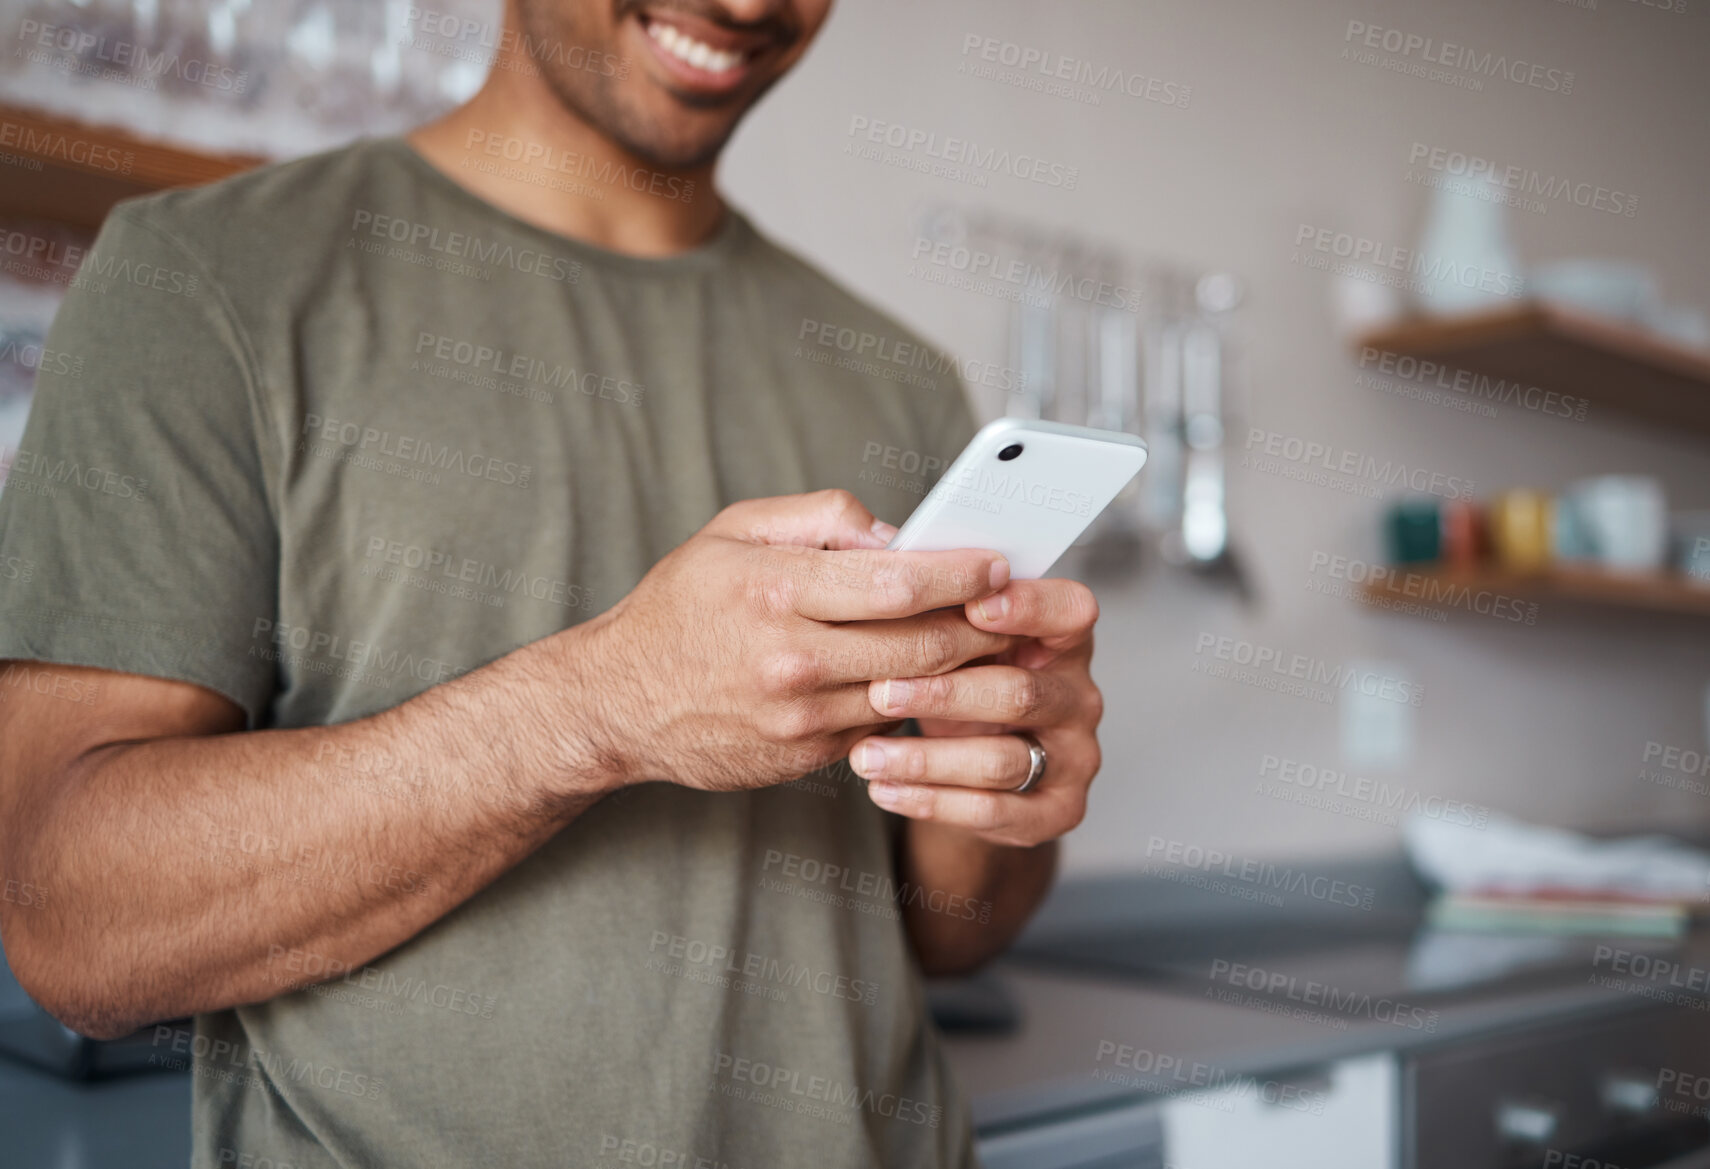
x: 963, y: 771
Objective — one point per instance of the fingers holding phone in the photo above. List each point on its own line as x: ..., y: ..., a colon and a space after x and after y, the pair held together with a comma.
x: 965, y: 769
x: 1029, y: 720
x: 742, y: 659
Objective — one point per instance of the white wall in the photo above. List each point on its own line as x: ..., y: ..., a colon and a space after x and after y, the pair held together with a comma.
x: 1547, y: 722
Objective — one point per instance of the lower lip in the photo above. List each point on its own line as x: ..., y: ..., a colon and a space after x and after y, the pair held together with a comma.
x: 698, y: 80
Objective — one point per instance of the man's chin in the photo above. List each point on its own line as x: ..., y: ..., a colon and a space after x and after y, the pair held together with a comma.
x: 686, y: 152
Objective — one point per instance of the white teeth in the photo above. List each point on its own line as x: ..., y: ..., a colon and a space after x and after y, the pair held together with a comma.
x: 690, y: 51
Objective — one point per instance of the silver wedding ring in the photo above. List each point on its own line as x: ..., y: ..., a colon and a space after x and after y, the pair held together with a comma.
x: 1035, y: 763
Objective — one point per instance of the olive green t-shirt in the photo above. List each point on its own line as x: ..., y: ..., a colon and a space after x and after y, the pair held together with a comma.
x: 332, y: 432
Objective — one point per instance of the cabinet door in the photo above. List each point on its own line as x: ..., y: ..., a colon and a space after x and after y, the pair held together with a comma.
x: 1611, y: 1089
x: 1343, y: 1116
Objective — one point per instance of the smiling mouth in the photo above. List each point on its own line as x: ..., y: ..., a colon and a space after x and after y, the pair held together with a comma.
x: 703, y: 57
x: 691, y: 51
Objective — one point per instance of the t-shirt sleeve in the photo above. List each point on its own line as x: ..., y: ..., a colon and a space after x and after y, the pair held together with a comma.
x: 136, y: 532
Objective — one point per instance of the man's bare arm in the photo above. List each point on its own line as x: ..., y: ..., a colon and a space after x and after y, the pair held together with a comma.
x: 174, y: 850
x: 171, y: 851
x: 977, y: 895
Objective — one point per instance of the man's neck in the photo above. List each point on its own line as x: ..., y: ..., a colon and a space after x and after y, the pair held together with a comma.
x: 515, y: 145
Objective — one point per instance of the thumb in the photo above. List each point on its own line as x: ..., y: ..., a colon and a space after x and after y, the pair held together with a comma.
x: 832, y: 519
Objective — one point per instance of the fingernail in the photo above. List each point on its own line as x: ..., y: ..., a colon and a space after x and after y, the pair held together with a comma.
x: 872, y: 761
x: 997, y: 602
x: 886, y: 795
x: 1000, y: 573
x: 896, y: 694
x: 883, y: 530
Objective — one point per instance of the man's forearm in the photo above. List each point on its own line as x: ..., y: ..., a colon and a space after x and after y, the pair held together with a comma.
x: 1004, y: 885
x: 214, y: 851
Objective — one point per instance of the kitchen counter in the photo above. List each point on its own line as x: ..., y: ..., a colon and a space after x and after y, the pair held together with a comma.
x: 1048, y: 1067
x: 1144, y: 1027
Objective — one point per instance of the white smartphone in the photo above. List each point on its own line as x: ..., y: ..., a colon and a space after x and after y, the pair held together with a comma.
x: 1024, y: 488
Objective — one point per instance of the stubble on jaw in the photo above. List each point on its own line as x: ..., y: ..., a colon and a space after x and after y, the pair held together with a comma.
x: 597, y: 99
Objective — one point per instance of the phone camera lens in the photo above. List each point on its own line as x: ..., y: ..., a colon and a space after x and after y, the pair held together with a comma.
x: 1009, y: 452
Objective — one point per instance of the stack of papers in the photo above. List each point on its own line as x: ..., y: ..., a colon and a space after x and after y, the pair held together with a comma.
x: 1512, y: 877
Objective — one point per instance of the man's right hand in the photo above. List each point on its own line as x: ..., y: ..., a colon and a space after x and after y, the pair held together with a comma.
x: 742, y: 658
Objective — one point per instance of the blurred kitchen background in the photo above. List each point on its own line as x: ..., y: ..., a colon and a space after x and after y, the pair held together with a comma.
x: 1412, y: 303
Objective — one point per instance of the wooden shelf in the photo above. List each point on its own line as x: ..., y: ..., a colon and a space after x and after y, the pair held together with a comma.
x: 1613, y: 364
x: 1435, y: 586
x: 61, y: 170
